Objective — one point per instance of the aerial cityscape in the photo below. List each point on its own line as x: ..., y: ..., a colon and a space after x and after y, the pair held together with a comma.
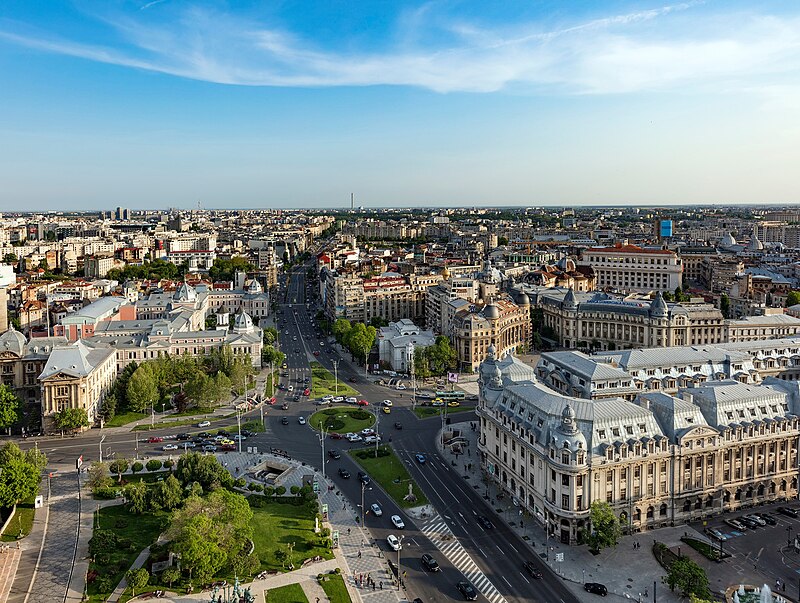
x: 399, y: 302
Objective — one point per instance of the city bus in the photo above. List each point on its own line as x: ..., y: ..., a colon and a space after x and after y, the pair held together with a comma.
x: 454, y: 395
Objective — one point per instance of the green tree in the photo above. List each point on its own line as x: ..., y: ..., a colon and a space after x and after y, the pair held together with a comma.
x: 70, y: 419
x: 98, y: 476
x: 605, y: 528
x: 109, y: 409
x: 166, y: 495
x: 205, y: 470
x: 270, y: 354
x: 9, y: 407
x: 378, y: 322
x: 422, y: 366
x: 725, y: 305
x: 154, y: 465
x: 688, y: 577
x: 441, y: 355
x: 136, y: 494
x: 225, y: 270
x: 137, y: 467
x: 119, y: 466
x: 170, y: 575
x: 200, y: 388
x: 502, y: 241
x: 142, y: 388
x: 270, y: 335
x: 792, y: 299
x: 20, y: 477
x: 341, y: 328
x: 10, y: 258
x: 137, y: 579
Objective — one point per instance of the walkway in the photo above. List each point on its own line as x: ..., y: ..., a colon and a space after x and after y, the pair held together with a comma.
x: 9, y: 561
x: 628, y: 572
x: 123, y: 584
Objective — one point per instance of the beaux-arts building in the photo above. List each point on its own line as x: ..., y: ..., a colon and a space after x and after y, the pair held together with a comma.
x: 659, y: 460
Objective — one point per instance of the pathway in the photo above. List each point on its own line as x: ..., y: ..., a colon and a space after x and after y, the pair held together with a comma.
x: 9, y: 561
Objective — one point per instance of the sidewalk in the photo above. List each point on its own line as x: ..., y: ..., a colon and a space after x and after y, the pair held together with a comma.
x: 628, y: 572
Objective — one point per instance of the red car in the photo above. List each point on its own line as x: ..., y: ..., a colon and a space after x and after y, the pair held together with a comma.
x: 272, y: 400
x: 306, y: 392
x: 228, y: 447
x: 316, y: 353
x: 155, y: 440
x: 363, y: 403
x: 336, y: 436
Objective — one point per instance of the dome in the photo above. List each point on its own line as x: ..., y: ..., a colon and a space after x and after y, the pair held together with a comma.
x: 496, y: 382
x: 658, y: 307
x: 254, y: 287
x: 492, y: 312
x: 570, y: 303
x: 755, y: 244
x: 13, y: 341
x: 567, y: 264
x: 727, y: 240
x: 185, y: 293
x: 242, y: 322
x: 523, y: 299
x: 445, y: 273
x: 492, y: 352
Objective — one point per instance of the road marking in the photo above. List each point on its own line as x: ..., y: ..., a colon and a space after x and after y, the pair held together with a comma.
x: 513, y: 547
x: 524, y: 578
x: 507, y: 582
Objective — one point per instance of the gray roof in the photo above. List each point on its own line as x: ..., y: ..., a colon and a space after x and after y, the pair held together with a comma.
x: 100, y: 307
x: 592, y: 368
x: 76, y: 360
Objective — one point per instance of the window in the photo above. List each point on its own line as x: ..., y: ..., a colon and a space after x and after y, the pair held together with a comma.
x: 564, y: 480
x: 565, y: 501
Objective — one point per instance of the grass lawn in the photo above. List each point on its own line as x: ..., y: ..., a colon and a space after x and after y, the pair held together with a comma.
x: 140, y: 530
x: 333, y: 585
x: 391, y: 474
x: 124, y: 419
x: 21, y: 523
x: 423, y: 412
x: 277, y: 523
x: 180, y: 422
x: 343, y: 414
x: 291, y: 593
x: 255, y: 426
x: 323, y: 383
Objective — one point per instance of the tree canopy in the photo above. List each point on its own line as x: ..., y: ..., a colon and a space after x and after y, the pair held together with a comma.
x: 21, y: 473
x: 605, y: 528
x: 71, y: 418
x: 688, y: 577
x: 9, y: 407
x: 225, y: 270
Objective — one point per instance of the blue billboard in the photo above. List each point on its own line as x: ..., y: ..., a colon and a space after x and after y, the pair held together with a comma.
x: 666, y: 228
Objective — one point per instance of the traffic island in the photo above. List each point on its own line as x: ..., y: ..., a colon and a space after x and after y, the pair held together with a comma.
x: 342, y: 419
x: 390, y: 473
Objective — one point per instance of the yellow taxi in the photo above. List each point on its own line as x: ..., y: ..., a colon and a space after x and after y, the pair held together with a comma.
x: 386, y: 410
x: 453, y: 403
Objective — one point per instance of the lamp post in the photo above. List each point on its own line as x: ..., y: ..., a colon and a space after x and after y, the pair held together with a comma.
x: 336, y: 376
x: 363, y: 488
x: 100, y: 444
x: 239, y: 425
x: 322, y: 434
x: 399, y: 548
x: 366, y: 364
x: 377, y: 429
x: 788, y: 535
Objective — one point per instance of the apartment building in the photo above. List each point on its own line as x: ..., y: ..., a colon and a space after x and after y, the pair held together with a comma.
x: 632, y: 268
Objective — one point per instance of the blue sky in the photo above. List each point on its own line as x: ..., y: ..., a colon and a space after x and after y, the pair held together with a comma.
x: 156, y: 103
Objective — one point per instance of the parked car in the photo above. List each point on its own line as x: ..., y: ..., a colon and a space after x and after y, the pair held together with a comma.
x: 209, y: 448
x: 238, y: 437
x: 285, y: 406
x: 787, y: 511
x: 203, y: 434
x: 716, y: 534
x: 228, y: 447
x: 454, y: 403
x: 373, y: 439
x: 596, y: 588
x: 335, y: 436
x: 155, y: 440
x: 754, y: 517
x: 532, y: 569
x: 736, y: 524
x: 182, y: 436
x: 769, y: 519
x: 398, y: 522
x: 484, y: 521
x: 167, y: 447
x: 376, y: 509
x: 400, y: 386
x: 420, y: 458
x: 353, y: 437
x: 467, y: 590
x: 750, y: 523
x: 393, y: 542
x: 344, y: 473
x: 202, y: 424
x: 363, y: 403
x: 437, y: 403
x: 364, y: 478
x: 351, y: 400
x: 334, y: 454
x: 338, y: 399
x: 429, y: 563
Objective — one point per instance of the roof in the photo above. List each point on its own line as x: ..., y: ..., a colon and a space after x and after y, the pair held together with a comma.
x: 592, y: 368
x: 101, y: 307
x: 629, y: 249
x: 76, y: 360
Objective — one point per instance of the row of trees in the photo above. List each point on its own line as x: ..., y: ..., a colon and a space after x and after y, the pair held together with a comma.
x: 158, y: 269
x: 269, y: 353
x: 357, y: 337
x: 436, y: 359
x: 204, y: 380
x: 225, y: 269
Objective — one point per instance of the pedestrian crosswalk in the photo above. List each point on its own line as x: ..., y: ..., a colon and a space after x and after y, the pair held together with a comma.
x: 439, y: 533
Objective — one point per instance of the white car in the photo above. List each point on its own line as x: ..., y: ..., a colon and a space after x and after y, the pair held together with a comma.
x: 323, y: 402
x: 387, y: 402
x: 301, y: 420
x: 169, y: 447
x: 204, y: 424
x: 339, y: 399
x: 398, y: 522
x: 352, y: 400
x: 376, y: 509
x: 327, y: 398
x: 393, y: 542
x: 399, y: 386
x: 373, y: 439
x: 367, y: 432
x: 353, y: 437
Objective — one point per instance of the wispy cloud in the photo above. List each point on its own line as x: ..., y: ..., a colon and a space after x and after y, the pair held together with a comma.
x: 641, y: 50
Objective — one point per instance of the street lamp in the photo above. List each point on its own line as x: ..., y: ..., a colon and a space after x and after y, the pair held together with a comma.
x: 363, y: 488
x: 102, y: 439
x: 399, y: 548
x: 336, y: 376
x: 239, y: 425
x: 788, y: 535
x: 321, y: 435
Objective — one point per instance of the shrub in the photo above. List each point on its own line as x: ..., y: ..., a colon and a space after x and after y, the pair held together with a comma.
x: 333, y: 424
x: 154, y: 465
x: 106, y: 493
x: 259, y: 488
x: 137, y: 467
x: 121, y: 523
x: 252, y: 487
x: 103, y: 584
x: 240, y: 482
x: 168, y: 464
x: 280, y: 490
x: 331, y: 411
x: 269, y: 491
x: 360, y: 415
x: 294, y: 490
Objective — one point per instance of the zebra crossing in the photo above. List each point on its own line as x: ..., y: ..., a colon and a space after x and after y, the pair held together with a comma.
x: 440, y: 534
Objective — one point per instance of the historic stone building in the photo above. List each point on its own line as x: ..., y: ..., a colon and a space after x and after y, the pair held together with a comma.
x: 632, y: 268
x: 659, y: 460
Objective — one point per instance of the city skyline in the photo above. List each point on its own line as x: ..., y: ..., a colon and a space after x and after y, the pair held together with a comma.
x: 156, y: 104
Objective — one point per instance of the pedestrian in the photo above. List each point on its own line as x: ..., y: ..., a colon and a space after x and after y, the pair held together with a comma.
x: 348, y: 531
x: 381, y: 585
x: 359, y: 554
x: 373, y: 587
x: 317, y: 599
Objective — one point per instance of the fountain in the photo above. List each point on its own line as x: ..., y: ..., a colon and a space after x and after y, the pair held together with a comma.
x: 754, y: 594
x: 766, y: 595
x: 736, y: 597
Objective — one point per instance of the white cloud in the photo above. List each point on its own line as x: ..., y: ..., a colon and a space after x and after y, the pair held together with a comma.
x: 660, y: 48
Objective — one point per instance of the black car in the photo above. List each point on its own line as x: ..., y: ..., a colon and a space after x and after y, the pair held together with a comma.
x: 365, y: 479
x: 787, y: 511
x: 182, y: 436
x: 750, y: 523
x: 285, y: 421
x: 532, y: 569
x: 334, y: 454
x: 484, y: 521
x: 344, y: 473
x: 203, y: 434
x: 398, y: 425
x: 768, y: 518
x: 247, y: 433
x: 467, y: 590
x: 596, y: 588
x: 222, y: 432
x: 352, y: 380
x: 429, y: 563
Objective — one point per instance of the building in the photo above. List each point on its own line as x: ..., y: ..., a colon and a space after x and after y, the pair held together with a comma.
x: 83, y: 323
x: 602, y: 321
x: 756, y: 328
x: 76, y: 376
x: 397, y: 342
x: 503, y: 323
x: 659, y: 460
x: 22, y: 362
x: 97, y: 266
x: 195, y: 259
x: 632, y: 268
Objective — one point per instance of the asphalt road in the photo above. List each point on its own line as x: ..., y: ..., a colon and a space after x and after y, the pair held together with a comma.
x: 497, y: 552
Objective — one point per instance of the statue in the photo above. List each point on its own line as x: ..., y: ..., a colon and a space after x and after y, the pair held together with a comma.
x: 214, y: 595
x: 248, y: 598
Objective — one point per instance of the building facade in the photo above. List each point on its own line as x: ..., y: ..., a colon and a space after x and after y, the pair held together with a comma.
x: 632, y: 268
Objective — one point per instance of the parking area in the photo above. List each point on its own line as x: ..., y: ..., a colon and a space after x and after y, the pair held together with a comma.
x: 762, y: 554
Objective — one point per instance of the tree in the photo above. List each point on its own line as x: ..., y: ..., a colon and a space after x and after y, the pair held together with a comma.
x: 270, y: 335
x: 70, y: 419
x: 170, y: 575
x: 137, y: 579
x: 142, y: 389
x: 119, y: 466
x: 340, y: 329
x: 792, y: 299
x: 605, y: 528
x: 153, y: 465
x: 270, y: 355
x: 688, y: 577
x: 205, y: 470
x: 225, y: 270
x: 98, y: 476
x: 502, y: 241
x: 20, y: 476
x: 9, y: 407
x: 136, y: 495
x: 725, y: 305
x: 280, y: 490
x: 166, y: 495
x: 10, y: 258
x: 200, y: 389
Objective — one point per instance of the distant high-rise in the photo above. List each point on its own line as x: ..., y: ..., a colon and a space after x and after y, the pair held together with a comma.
x: 122, y: 213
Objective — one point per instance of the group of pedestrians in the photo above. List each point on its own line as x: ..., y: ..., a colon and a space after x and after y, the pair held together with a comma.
x: 363, y: 580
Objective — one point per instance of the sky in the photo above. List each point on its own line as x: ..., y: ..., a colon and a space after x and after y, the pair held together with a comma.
x: 279, y: 103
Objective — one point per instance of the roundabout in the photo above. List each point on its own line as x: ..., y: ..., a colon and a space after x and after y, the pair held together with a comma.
x: 342, y: 419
